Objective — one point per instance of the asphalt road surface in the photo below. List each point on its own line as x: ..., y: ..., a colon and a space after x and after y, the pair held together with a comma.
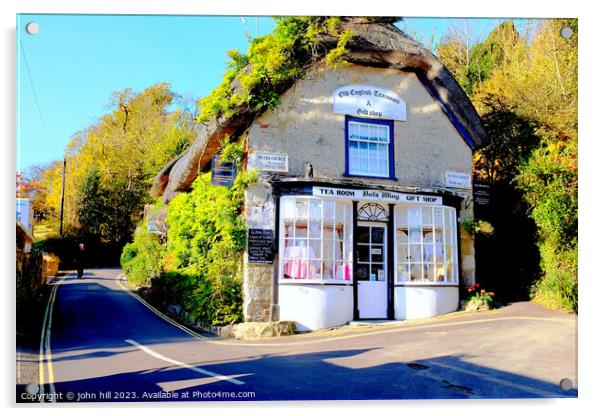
x: 103, y: 344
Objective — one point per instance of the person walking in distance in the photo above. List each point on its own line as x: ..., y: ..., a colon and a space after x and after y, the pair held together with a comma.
x: 80, y: 260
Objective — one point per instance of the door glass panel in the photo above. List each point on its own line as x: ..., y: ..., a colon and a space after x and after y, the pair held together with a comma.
x: 363, y: 253
x: 377, y: 272
x: 363, y: 234
x: 377, y: 235
x: 376, y: 254
x: 363, y: 272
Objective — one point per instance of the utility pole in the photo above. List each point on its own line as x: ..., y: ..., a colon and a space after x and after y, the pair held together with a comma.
x: 62, y: 198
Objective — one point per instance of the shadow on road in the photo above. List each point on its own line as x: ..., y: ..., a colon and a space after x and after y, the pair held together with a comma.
x: 316, y: 376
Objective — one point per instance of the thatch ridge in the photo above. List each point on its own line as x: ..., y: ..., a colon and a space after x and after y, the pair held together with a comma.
x: 376, y: 44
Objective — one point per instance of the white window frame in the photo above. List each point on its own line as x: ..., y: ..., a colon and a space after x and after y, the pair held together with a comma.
x: 347, y: 241
x: 388, y: 154
x: 450, y: 224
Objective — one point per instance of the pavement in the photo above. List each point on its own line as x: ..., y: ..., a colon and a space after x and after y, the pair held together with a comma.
x: 103, y: 344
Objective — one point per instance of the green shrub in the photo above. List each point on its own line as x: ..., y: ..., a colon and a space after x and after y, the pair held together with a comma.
x: 557, y: 288
x: 141, y: 259
x: 203, y: 256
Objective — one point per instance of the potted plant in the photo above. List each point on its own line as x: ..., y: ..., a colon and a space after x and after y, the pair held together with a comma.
x: 478, y: 298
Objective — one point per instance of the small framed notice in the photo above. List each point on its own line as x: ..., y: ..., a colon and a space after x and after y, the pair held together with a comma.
x: 260, y: 245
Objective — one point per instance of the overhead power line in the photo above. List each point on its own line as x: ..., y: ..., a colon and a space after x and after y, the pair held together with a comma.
x: 35, y: 96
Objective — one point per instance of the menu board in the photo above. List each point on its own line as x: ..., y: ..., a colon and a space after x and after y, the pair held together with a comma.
x: 260, y: 245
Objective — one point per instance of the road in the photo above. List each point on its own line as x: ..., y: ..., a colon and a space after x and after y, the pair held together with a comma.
x: 104, y: 344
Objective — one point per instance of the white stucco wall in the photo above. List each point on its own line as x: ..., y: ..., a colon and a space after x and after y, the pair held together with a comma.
x: 305, y: 127
x: 424, y: 302
x: 315, y: 306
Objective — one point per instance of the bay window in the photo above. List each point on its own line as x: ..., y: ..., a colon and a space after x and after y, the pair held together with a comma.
x: 426, y: 245
x: 315, y: 239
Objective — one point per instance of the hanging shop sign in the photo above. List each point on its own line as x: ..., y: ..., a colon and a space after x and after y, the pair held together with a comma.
x: 377, y: 195
x: 369, y: 101
x: 457, y: 180
x: 269, y: 162
x: 260, y: 245
x: 222, y: 173
x: 481, y: 193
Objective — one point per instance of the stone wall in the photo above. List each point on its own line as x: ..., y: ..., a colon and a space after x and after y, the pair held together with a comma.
x: 258, y: 277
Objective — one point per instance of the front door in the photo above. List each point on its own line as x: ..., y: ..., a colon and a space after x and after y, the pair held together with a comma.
x: 371, y: 270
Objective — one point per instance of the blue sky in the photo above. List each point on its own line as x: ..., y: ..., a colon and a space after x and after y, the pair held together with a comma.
x: 75, y: 62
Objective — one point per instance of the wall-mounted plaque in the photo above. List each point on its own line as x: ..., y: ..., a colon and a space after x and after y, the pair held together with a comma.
x: 222, y: 172
x: 368, y: 101
x: 260, y: 245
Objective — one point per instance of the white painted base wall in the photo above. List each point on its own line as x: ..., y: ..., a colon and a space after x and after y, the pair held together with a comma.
x: 315, y: 306
x: 424, y: 302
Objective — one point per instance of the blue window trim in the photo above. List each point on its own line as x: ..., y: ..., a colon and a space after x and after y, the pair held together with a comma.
x: 391, y: 147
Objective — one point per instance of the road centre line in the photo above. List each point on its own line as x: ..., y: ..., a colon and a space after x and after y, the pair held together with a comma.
x: 184, y: 365
x: 405, y: 328
x: 45, y: 349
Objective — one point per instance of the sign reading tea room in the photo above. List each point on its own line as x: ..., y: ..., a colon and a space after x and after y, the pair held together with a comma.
x: 369, y: 101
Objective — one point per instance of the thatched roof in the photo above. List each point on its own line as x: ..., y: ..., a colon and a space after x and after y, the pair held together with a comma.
x: 375, y: 44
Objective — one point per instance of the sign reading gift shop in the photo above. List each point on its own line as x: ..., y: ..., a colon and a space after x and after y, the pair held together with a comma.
x: 269, y: 162
x: 369, y: 101
x: 377, y: 195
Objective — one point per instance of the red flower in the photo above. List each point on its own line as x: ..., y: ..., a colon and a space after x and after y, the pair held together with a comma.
x: 470, y: 289
x: 476, y: 285
x: 483, y: 291
x: 491, y: 293
x: 470, y: 285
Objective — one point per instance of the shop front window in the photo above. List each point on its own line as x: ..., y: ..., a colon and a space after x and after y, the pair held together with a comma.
x: 426, y: 245
x: 315, y: 239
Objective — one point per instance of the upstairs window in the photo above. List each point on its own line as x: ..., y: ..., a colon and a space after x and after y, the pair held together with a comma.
x: 369, y: 148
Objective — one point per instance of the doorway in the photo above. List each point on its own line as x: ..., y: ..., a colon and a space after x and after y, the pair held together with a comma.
x: 371, y: 270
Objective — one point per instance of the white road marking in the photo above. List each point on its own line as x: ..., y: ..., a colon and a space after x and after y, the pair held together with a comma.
x: 155, y: 354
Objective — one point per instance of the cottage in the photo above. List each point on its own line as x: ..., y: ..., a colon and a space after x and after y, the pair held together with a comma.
x: 365, y: 179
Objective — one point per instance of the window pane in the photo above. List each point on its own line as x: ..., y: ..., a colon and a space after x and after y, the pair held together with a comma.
x: 301, y: 228
x: 301, y: 208
x: 377, y: 254
x: 314, y: 269
x: 327, y: 270
x: 288, y: 209
x: 338, y: 250
x: 289, y: 226
x: 378, y: 235
x: 363, y: 253
x: 440, y: 272
x: 363, y: 234
x: 377, y: 272
x: 315, y: 249
x: 403, y: 272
